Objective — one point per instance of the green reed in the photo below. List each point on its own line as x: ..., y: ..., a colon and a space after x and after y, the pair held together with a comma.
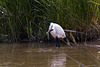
x: 32, y: 17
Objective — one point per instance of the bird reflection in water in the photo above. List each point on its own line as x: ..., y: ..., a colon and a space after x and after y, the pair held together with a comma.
x: 58, y: 60
x: 98, y: 55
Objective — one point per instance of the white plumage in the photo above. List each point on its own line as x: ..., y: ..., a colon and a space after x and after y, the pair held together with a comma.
x: 56, y: 30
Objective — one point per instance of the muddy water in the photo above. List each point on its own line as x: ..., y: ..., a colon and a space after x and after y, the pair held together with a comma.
x: 39, y: 55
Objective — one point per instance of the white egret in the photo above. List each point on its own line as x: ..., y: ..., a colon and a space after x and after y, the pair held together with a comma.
x: 57, y: 32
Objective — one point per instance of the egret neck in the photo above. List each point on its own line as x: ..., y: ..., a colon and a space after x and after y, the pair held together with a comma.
x: 49, y: 31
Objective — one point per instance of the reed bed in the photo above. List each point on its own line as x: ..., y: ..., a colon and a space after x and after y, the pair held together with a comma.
x: 29, y: 19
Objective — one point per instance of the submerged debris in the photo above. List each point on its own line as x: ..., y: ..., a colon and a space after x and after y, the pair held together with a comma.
x: 46, y: 50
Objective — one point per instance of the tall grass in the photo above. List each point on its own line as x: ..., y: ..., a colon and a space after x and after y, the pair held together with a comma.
x: 30, y: 18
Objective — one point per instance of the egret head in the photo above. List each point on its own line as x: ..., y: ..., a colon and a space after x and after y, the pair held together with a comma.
x: 50, y: 28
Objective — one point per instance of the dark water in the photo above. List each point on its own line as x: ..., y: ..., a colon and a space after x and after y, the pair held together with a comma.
x: 38, y: 55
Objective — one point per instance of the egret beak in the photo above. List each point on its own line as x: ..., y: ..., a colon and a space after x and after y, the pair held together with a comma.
x: 47, y: 31
x: 47, y: 34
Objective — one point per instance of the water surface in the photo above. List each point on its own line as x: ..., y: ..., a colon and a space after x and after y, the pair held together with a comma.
x: 39, y: 55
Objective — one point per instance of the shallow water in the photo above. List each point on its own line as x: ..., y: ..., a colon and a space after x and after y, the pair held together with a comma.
x: 39, y: 55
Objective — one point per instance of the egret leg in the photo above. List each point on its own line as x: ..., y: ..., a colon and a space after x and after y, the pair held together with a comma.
x: 57, y: 42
